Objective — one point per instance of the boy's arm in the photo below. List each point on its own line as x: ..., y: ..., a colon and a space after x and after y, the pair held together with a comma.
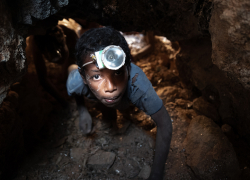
x: 144, y: 97
x: 85, y: 120
x: 152, y: 105
x: 163, y: 139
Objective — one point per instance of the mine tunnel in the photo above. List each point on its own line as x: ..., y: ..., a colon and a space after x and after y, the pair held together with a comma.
x: 195, y: 53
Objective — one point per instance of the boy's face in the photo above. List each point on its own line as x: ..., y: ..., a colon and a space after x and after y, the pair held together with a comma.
x: 107, y: 85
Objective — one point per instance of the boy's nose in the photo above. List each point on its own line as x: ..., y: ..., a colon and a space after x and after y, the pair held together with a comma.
x: 109, y: 86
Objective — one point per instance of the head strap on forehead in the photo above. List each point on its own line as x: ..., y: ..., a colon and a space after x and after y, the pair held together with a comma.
x: 111, y: 57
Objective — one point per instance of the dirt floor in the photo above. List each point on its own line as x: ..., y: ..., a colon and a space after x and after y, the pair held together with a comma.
x: 57, y: 150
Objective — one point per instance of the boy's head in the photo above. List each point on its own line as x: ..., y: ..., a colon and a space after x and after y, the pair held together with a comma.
x: 107, y: 85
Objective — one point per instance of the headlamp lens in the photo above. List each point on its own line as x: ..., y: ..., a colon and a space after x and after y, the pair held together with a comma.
x: 113, y: 58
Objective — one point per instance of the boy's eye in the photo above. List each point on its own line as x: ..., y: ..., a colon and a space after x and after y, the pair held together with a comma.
x: 96, y: 77
x: 119, y: 72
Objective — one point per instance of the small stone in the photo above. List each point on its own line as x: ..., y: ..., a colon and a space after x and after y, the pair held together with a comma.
x: 102, y: 141
x: 76, y: 153
x: 151, y: 143
x: 101, y: 159
x: 145, y: 172
x: 153, y: 131
x: 58, y: 159
x: 184, y: 103
x: 131, y: 168
x: 121, y: 152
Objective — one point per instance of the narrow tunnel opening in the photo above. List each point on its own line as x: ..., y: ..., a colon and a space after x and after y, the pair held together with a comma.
x: 51, y: 146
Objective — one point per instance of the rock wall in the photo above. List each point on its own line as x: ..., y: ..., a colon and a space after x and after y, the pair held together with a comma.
x: 19, y: 19
x: 229, y: 29
x: 12, y: 56
x: 230, y: 98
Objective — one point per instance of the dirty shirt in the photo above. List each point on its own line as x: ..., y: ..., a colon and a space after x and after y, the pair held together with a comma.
x: 140, y: 92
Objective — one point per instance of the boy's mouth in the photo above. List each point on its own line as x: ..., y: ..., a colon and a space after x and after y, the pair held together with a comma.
x: 112, y: 100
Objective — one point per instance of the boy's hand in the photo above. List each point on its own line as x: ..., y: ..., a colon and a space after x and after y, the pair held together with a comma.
x: 85, y: 121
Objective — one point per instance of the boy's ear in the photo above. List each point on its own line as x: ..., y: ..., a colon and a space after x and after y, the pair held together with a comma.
x: 83, y: 78
x: 128, y: 68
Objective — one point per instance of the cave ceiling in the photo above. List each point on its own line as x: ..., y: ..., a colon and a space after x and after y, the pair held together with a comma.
x: 174, y: 19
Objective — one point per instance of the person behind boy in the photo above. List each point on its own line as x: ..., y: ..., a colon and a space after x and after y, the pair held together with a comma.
x: 115, y: 87
x: 54, y: 46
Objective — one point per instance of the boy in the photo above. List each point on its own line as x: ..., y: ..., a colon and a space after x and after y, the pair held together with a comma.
x: 105, y: 73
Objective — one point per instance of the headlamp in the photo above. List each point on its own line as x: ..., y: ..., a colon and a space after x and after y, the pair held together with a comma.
x: 111, y: 57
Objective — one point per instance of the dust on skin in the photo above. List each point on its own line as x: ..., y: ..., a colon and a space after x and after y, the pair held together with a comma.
x: 107, y: 85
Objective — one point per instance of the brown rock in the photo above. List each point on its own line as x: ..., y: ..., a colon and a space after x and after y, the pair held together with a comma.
x: 205, y: 108
x: 101, y: 159
x: 208, y: 151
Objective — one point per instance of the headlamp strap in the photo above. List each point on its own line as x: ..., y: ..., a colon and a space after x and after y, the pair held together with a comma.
x: 94, y: 60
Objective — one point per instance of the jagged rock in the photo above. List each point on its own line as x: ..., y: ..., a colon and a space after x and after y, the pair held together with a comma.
x: 101, y: 159
x: 231, y: 47
x: 209, y: 152
x: 205, y: 108
x: 12, y: 53
x: 32, y: 10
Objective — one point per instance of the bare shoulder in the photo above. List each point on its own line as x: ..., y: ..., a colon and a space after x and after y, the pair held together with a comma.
x: 72, y: 67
